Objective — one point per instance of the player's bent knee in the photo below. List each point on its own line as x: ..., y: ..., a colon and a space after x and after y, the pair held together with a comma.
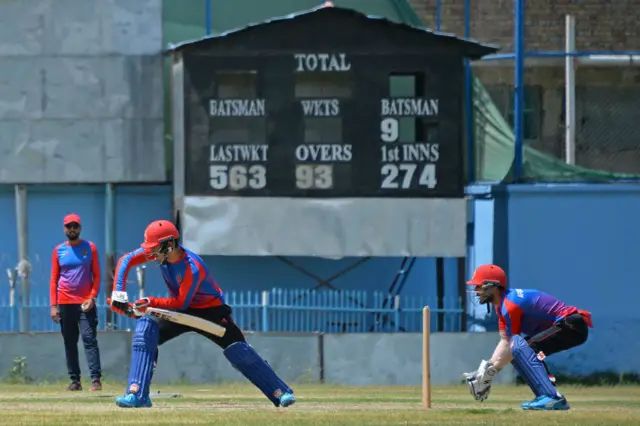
x: 530, y: 368
x: 534, y: 347
x: 147, y: 332
x: 240, y: 354
x: 232, y: 336
x: 519, y: 346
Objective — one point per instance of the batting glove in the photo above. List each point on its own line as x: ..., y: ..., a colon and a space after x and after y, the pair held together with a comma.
x: 141, y: 305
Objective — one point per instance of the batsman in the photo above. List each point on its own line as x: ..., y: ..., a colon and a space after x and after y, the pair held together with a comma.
x: 192, y: 290
x: 532, y: 325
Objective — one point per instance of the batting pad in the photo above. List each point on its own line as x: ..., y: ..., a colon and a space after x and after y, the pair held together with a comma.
x: 143, y: 356
x: 531, y: 368
x: 247, y: 361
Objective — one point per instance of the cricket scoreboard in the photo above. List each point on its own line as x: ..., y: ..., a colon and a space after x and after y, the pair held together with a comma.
x: 321, y: 125
x: 325, y: 133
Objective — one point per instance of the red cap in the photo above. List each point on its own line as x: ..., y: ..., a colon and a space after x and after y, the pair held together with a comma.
x: 490, y: 273
x: 70, y: 218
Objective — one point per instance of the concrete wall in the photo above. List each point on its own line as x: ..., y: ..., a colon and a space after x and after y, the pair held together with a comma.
x: 577, y: 242
x: 82, y: 91
x: 341, y: 359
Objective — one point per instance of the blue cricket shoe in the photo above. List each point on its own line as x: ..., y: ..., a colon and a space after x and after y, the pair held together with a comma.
x: 546, y: 403
x: 132, y: 401
x: 287, y: 400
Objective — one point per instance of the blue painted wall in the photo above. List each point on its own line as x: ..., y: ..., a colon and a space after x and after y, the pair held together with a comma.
x: 579, y: 243
x: 8, y: 253
x: 137, y: 205
x: 377, y: 274
x: 480, y: 251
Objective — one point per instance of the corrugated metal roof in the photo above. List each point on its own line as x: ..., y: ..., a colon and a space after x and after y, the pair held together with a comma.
x: 190, y: 43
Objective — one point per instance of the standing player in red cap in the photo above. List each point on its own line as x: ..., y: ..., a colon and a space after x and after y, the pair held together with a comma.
x: 75, y: 282
x: 532, y: 325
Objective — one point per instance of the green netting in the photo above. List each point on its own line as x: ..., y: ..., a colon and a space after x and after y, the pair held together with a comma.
x: 495, y: 142
x: 494, y: 137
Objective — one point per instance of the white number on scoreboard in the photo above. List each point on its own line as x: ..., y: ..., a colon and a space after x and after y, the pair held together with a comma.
x: 389, y: 130
x: 314, y: 176
x: 237, y: 176
x: 402, y: 175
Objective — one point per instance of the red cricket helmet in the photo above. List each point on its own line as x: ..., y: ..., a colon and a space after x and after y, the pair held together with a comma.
x: 157, y: 237
x: 488, y: 274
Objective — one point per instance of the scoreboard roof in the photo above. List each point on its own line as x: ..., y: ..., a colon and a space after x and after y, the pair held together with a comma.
x: 469, y: 48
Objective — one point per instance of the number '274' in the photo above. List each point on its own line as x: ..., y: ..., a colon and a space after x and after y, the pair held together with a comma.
x: 403, y: 175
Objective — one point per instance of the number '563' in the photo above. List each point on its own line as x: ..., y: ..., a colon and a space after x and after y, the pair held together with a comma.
x: 237, y: 176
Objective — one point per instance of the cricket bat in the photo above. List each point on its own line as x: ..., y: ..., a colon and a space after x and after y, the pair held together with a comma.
x: 180, y: 318
x: 188, y: 320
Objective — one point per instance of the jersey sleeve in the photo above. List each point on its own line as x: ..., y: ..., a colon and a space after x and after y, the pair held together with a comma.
x: 513, y: 318
x: 124, y: 265
x: 502, y: 325
x: 192, y: 278
x: 95, y: 271
x: 55, y: 276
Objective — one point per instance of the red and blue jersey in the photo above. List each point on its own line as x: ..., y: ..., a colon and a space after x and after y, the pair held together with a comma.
x: 75, y: 273
x: 188, y: 280
x: 529, y: 312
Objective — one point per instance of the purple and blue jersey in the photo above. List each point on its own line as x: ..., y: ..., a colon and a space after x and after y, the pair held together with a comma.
x: 75, y: 273
x: 528, y: 312
x: 188, y: 280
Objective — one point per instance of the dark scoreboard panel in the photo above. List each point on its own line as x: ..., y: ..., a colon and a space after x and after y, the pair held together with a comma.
x: 321, y: 125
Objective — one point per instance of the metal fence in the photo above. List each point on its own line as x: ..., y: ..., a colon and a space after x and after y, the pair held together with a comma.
x: 563, y: 91
x: 575, y: 127
x: 283, y: 310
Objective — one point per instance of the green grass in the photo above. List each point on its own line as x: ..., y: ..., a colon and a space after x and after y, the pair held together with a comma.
x: 224, y: 404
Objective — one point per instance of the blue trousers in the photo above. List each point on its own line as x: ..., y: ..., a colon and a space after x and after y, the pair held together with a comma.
x: 73, y: 324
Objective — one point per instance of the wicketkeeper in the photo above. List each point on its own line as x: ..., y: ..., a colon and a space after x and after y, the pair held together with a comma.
x: 193, y: 291
x: 533, y: 325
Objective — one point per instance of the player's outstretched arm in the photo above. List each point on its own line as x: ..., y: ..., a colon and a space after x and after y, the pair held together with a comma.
x: 95, y: 271
x: 188, y: 289
x: 119, y: 298
x: 502, y: 354
x: 480, y: 381
x: 53, y: 280
x: 124, y: 265
x: 53, y: 286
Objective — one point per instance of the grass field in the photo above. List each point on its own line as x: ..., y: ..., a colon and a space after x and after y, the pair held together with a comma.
x: 317, y: 405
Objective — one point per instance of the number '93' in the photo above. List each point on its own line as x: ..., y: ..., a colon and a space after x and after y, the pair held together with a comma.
x: 237, y: 176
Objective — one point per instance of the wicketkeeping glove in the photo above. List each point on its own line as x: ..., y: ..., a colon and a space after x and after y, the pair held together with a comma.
x: 480, y: 381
